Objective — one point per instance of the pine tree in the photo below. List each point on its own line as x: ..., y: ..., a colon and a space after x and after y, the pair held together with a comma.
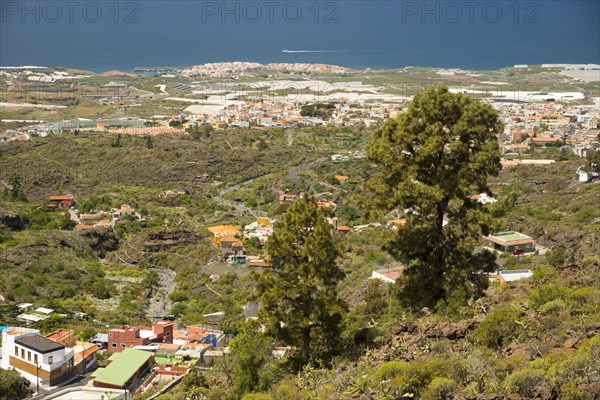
x: 431, y: 160
x: 299, y: 297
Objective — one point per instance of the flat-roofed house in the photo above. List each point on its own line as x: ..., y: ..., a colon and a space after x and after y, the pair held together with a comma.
x: 36, y: 357
x: 131, y: 336
x: 506, y: 276
x: 510, y: 241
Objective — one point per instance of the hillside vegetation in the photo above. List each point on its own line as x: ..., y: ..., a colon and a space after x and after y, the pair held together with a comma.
x: 536, y: 338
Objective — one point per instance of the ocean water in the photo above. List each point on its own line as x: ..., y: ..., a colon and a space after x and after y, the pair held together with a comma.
x: 106, y: 34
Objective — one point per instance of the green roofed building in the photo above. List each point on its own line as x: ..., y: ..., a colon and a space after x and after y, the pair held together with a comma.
x: 124, y: 370
x: 511, y: 241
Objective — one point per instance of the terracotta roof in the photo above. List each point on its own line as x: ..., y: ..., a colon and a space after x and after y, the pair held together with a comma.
x: 61, y: 197
x: 223, y: 229
x: 229, y: 239
x: 546, y: 139
x: 169, y: 346
x: 84, y: 227
x: 398, y: 222
x: 259, y: 263
x: 59, y: 333
x: 510, y: 163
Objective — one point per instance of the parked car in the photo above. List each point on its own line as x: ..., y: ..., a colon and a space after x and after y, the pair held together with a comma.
x: 517, y: 252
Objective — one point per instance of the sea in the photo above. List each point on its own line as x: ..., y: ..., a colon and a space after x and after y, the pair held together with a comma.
x: 104, y: 35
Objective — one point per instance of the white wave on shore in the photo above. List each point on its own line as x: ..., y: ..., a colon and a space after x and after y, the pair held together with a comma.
x: 311, y: 51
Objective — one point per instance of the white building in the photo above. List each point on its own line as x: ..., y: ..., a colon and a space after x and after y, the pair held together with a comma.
x: 583, y: 176
x: 36, y: 357
x: 483, y: 198
x: 514, y: 275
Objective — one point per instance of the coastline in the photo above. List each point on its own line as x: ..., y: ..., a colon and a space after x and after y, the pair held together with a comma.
x: 590, y: 65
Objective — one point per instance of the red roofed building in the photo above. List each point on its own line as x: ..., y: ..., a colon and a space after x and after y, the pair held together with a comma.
x: 131, y: 336
x: 62, y: 201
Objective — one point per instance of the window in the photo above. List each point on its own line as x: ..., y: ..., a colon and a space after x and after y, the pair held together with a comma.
x: 110, y: 334
x: 50, y: 359
x: 16, y: 351
x: 168, y: 333
x: 114, y: 345
x: 28, y: 356
x: 23, y: 353
x: 35, y: 358
x: 123, y: 345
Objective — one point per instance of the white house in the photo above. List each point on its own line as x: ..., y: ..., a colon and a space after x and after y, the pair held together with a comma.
x: 513, y: 275
x: 583, y: 176
x: 35, y: 357
x: 483, y: 198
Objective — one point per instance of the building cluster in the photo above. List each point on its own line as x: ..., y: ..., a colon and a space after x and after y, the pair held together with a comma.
x: 147, y: 130
x: 548, y: 124
x: 93, y: 220
x: 140, y: 357
x: 46, y: 360
x: 285, y: 112
x: 239, y: 69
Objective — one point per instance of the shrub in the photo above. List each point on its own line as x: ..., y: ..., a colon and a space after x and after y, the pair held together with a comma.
x: 498, y: 328
x: 581, y: 365
x: 439, y: 388
x: 286, y: 390
x: 553, y: 307
x: 418, y: 375
x: 257, y: 396
x: 528, y: 383
x: 389, y: 370
x: 102, y: 289
x: 178, y: 295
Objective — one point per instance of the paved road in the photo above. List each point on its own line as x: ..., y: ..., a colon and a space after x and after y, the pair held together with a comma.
x: 78, y: 381
x: 293, y: 174
x: 242, y: 209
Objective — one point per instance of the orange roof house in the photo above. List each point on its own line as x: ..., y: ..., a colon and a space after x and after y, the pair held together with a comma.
x: 326, y: 203
x: 395, y: 223
x: 84, y: 227
x: 230, y: 242
x: 103, y: 223
x: 125, y: 209
x: 544, y: 140
x: 66, y: 200
x: 260, y: 263
x: 66, y: 337
x: 61, y: 197
x: 223, y: 231
x: 84, y: 351
x: 509, y: 163
x: 287, y: 198
x: 341, y: 178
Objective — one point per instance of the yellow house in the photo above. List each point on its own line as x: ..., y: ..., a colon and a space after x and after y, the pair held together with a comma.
x: 222, y: 231
x: 264, y: 221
